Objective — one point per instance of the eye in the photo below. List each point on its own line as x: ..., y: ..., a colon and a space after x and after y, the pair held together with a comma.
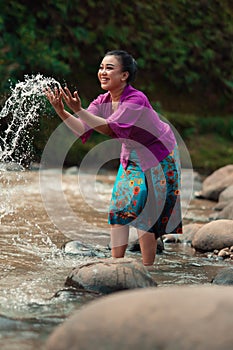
x: 106, y: 68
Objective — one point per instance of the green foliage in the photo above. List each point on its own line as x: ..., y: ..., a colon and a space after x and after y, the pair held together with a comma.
x: 209, y: 152
x: 185, y: 45
x: 208, y: 139
x: 62, y: 38
x: 190, y: 124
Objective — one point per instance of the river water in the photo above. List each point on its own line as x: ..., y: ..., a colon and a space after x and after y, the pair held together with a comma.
x: 36, y: 221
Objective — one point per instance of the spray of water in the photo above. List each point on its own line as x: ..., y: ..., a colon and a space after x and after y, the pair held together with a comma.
x: 19, y: 114
x: 21, y: 110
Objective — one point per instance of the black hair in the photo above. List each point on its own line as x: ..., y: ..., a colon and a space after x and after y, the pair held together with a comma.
x: 128, y: 63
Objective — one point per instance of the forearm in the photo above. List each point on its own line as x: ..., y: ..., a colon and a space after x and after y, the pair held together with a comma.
x: 72, y: 122
x: 97, y: 123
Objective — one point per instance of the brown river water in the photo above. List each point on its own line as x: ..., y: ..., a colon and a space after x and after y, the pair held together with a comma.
x: 39, y: 213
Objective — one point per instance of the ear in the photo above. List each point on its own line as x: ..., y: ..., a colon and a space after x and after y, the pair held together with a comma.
x: 125, y: 76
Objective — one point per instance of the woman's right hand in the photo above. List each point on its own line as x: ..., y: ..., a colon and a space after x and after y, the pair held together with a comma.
x: 55, y: 98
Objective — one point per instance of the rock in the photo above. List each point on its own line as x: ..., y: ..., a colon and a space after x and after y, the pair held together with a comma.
x: 226, y: 213
x: 184, y: 318
x: 214, y: 235
x: 171, y: 238
x: 79, y: 248
x: 220, y: 206
x: 224, y: 253
x: 225, y: 205
x: 134, y: 246
x: 189, y: 232
x: 110, y: 275
x: 224, y: 276
x: 11, y: 166
x: 217, y: 182
x: 72, y: 170
x: 226, y: 195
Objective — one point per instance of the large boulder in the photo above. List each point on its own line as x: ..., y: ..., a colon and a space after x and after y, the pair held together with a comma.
x: 217, y: 182
x: 184, y: 318
x: 110, y: 275
x: 214, y: 235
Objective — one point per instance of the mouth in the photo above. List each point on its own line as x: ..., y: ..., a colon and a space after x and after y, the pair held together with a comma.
x: 104, y: 80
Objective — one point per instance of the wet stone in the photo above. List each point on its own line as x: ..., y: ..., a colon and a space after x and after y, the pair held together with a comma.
x: 86, y: 250
x: 134, y: 246
x: 214, y: 235
x: 110, y: 275
x: 184, y: 318
x: 224, y: 277
x: 217, y: 182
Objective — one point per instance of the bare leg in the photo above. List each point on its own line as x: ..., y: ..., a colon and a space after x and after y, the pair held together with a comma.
x: 148, y: 246
x: 119, y: 240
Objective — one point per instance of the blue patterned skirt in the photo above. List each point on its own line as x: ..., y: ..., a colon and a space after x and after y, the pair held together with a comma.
x: 150, y: 200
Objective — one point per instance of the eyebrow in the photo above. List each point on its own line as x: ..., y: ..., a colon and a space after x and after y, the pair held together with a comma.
x: 109, y: 64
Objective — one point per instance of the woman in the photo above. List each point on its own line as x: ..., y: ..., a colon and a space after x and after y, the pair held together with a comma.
x: 146, y: 193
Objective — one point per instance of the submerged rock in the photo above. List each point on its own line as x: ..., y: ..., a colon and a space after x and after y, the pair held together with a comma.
x: 11, y: 166
x: 87, y: 250
x: 134, y: 246
x: 224, y: 276
x: 184, y: 317
x: 110, y: 275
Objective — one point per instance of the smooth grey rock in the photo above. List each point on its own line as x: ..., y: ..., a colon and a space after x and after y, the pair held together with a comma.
x: 110, y: 275
x: 214, y: 235
x: 226, y: 213
x: 169, y: 318
x: 217, y: 182
x: 189, y: 232
x: 226, y: 195
x: 224, y: 276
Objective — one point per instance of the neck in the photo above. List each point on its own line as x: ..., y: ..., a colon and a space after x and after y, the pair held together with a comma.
x: 116, y: 94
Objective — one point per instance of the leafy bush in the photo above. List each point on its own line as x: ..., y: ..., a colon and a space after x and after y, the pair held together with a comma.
x: 67, y: 39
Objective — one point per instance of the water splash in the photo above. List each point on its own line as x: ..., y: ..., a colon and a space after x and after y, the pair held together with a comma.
x: 18, y: 116
x: 20, y: 112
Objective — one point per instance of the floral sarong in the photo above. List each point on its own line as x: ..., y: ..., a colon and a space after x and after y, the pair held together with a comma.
x: 149, y: 201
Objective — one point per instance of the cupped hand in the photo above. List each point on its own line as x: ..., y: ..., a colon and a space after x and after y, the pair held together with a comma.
x: 72, y: 101
x: 55, y: 98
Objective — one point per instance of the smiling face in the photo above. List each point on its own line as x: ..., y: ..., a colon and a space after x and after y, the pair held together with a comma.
x: 110, y: 74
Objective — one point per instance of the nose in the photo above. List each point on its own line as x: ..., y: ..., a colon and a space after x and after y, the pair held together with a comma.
x: 102, y: 71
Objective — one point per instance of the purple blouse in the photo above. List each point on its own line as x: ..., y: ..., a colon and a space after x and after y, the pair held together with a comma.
x: 136, y: 125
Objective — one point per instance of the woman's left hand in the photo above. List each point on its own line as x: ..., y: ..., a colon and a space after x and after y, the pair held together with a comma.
x: 72, y: 101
